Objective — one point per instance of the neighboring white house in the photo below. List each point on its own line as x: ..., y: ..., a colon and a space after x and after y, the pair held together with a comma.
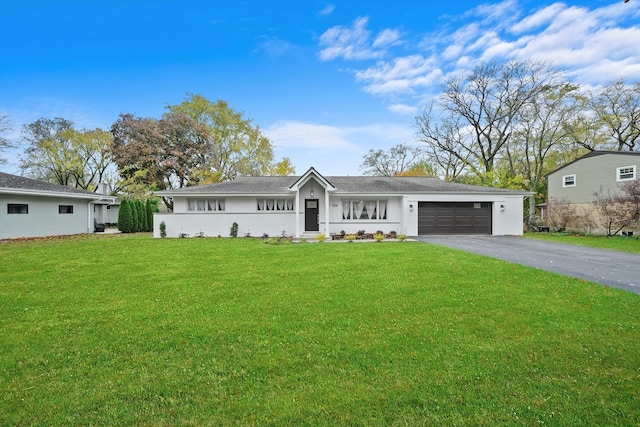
x: 32, y: 208
x: 311, y: 204
x: 577, y: 182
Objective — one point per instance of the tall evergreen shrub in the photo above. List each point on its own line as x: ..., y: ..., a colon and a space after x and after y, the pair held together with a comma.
x: 125, y: 217
x: 135, y: 216
x: 149, y: 213
x: 142, y: 216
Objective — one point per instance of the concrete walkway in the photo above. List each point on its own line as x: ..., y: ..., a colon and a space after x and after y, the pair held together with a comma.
x: 619, y: 270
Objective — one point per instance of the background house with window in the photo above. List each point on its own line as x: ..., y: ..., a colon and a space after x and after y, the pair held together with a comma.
x: 307, y: 205
x: 32, y: 208
x: 575, y: 184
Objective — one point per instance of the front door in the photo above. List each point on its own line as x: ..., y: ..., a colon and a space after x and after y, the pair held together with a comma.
x: 311, y: 213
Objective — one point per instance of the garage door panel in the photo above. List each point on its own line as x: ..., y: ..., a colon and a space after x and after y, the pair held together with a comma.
x: 454, y: 218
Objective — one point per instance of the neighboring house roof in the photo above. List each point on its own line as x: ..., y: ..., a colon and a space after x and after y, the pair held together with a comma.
x: 596, y: 154
x: 13, y: 184
x: 342, y: 185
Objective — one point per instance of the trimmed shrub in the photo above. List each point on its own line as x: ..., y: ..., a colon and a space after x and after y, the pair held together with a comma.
x: 125, y: 217
x: 149, y: 213
x: 142, y: 216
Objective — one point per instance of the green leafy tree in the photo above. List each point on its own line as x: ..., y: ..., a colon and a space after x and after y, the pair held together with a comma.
x: 283, y: 168
x: 195, y: 142
x: 237, y: 146
x: 125, y: 217
x: 56, y: 152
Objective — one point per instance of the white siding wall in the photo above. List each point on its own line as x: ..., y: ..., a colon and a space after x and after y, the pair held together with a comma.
x: 400, y: 217
x: 43, y: 218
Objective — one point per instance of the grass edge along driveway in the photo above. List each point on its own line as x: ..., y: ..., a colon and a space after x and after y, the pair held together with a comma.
x: 616, y: 243
x: 136, y: 331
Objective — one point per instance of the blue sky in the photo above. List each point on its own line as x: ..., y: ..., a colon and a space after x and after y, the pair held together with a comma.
x: 325, y: 80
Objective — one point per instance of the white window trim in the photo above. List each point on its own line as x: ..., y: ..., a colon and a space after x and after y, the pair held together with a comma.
x: 618, y: 170
x: 564, y: 180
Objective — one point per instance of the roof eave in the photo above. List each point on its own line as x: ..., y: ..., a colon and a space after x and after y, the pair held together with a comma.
x: 41, y: 193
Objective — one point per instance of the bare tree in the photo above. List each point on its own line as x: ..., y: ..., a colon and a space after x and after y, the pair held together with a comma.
x: 617, y: 110
x: 5, y: 125
x: 560, y: 213
x: 483, y: 105
x: 619, y: 208
x: 443, y: 143
x: 540, y: 131
x: 393, y: 162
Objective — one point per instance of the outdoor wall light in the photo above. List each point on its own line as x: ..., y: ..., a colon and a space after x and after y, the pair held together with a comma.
x: 501, y: 208
x: 410, y: 208
x: 311, y: 193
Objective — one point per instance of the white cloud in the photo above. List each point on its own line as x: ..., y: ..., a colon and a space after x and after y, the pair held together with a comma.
x: 593, y: 45
x: 273, y: 46
x: 403, y: 75
x: 403, y: 109
x: 387, y: 38
x: 312, y: 144
x: 355, y: 42
x: 538, y: 19
x: 328, y: 10
x: 307, y: 135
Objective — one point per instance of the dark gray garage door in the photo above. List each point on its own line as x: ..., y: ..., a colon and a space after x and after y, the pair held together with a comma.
x: 454, y: 218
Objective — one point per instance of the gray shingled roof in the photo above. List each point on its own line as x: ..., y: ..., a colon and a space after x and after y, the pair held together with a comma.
x: 15, y: 182
x: 343, y: 184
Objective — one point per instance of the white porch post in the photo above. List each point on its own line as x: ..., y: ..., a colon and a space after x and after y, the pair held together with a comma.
x: 298, y: 212
x: 326, y: 212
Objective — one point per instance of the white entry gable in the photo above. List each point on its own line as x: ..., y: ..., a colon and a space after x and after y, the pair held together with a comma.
x: 312, y: 174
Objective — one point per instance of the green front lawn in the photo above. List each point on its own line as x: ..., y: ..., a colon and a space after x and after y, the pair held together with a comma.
x: 136, y: 331
x: 618, y: 243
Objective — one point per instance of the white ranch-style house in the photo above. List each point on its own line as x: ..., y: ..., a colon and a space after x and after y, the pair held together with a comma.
x: 33, y: 208
x: 307, y: 205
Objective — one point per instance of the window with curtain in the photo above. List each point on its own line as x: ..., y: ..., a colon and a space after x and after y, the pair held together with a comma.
x: 364, y: 210
x: 268, y: 205
x: 205, y: 205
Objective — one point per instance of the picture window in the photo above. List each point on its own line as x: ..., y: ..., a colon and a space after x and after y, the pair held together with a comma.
x: 364, y: 210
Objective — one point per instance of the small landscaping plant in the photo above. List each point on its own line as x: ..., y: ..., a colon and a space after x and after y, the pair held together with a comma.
x: 234, y: 230
x: 379, y: 237
x: 401, y: 237
x: 350, y: 237
x: 163, y: 230
x: 320, y: 238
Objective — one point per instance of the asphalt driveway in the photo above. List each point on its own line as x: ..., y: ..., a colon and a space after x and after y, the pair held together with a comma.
x: 611, y: 268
